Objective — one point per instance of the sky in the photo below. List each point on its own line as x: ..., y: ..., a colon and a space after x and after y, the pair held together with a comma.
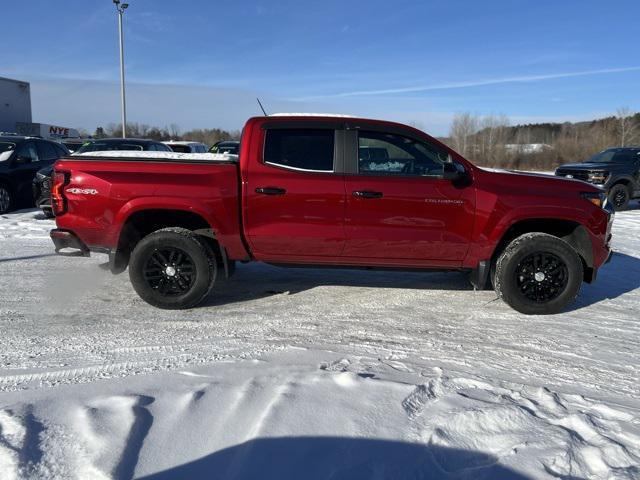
x: 202, y: 63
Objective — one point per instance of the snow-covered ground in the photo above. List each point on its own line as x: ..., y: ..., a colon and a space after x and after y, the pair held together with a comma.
x: 302, y: 373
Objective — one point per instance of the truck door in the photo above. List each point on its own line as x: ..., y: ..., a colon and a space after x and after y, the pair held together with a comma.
x: 294, y: 194
x: 400, y: 208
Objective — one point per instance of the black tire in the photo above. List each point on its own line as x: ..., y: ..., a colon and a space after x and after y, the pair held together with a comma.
x: 172, y: 269
x: 619, y: 196
x: 538, y: 274
x: 6, y: 199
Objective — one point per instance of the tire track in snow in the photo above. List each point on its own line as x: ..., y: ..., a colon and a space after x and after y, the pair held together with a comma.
x: 89, y: 373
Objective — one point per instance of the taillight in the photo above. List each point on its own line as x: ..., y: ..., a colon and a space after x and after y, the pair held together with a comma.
x: 58, y: 200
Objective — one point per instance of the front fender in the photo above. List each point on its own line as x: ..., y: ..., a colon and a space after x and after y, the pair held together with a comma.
x: 492, y: 226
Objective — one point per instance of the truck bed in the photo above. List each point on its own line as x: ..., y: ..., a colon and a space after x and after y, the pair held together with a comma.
x: 106, y: 190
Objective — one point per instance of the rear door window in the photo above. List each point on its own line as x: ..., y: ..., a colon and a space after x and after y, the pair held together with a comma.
x: 61, y: 151
x: 47, y: 152
x: 625, y: 156
x: 28, y: 150
x: 310, y: 150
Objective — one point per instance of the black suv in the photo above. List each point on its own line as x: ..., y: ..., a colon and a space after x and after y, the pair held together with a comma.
x: 226, y: 146
x: 110, y: 144
x: 42, y: 180
x: 20, y: 159
x: 617, y: 170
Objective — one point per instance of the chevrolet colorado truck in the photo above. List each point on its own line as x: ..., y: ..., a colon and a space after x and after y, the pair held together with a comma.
x: 307, y: 190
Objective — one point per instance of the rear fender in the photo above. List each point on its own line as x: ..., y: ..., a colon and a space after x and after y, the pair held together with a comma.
x: 128, y: 235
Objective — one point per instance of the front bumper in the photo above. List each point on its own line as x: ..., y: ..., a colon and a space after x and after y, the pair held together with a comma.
x: 67, y: 243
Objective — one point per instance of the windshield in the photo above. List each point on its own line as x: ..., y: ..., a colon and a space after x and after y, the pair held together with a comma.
x: 615, y: 156
x: 107, y: 147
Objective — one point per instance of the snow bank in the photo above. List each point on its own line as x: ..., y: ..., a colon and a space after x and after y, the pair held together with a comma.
x: 313, y: 415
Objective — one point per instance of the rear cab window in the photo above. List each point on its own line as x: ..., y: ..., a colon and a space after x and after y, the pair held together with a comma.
x: 302, y: 149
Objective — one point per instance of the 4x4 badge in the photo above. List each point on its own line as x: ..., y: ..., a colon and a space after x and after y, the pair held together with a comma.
x: 82, y: 191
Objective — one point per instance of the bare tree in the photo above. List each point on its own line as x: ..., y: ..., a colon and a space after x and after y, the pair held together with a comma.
x: 492, y: 135
x: 174, y: 130
x: 626, y: 128
x: 463, y: 127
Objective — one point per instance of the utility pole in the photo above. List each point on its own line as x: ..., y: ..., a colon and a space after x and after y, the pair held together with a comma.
x: 121, y: 8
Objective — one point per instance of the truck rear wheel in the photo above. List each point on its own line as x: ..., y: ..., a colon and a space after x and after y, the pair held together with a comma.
x: 538, y: 274
x: 172, y: 269
x: 619, y: 196
x: 6, y: 199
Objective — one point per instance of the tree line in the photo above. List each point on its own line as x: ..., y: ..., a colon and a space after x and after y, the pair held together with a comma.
x: 208, y: 136
x: 491, y: 141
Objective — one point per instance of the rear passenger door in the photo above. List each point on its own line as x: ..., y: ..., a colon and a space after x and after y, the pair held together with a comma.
x: 294, y: 194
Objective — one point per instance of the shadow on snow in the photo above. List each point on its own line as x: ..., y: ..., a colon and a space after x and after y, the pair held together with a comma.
x: 339, y: 458
x: 257, y: 280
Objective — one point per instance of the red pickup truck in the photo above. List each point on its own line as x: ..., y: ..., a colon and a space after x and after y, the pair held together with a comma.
x: 331, y: 191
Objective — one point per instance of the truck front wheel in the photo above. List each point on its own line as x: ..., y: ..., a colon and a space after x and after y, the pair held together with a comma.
x: 538, y: 274
x: 172, y: 268
x: 619, y: 196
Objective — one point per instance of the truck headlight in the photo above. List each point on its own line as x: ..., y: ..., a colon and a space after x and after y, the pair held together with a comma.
x: 598, y: 177
x: 597, y: 198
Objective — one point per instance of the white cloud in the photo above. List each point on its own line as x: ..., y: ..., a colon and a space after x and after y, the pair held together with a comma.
x: 477, y: 83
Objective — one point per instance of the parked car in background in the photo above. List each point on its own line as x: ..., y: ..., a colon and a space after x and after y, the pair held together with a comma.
x: 110, y: 144
x: 186, y: 146
x: 617, y: 170
x: 20, y: 159
x: 42, y: 182
x: 73, y: 144
x: 300, y: 193
x: 226, y: 146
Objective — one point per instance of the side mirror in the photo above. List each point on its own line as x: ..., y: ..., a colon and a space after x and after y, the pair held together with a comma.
x: 457, y: 174
x: 453, y: 171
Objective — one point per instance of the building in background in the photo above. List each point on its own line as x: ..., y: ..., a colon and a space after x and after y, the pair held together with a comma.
x: 44, y: 130
x: 15, y: 103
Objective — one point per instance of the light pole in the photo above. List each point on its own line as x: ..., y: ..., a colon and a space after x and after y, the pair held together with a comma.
x: 121, y: 8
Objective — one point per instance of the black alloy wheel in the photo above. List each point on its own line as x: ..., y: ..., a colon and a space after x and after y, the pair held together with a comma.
x: 541, y: 276
x: 619, y: 196
x: 170, y: 271
x: 538, y: 274
x: 5, y: 199
x: 173, y: 268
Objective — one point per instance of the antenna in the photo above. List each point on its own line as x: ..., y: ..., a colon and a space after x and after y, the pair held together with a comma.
x: 261, y: 107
